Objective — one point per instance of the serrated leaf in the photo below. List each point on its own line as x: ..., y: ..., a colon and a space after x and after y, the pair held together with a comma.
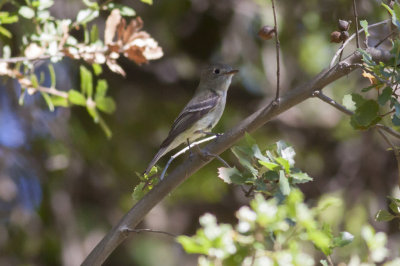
x: 366, y: 114
x: 383, y: 216
x: 385, y: 96
x: 343, y: 239
x: 269, y: 165
x: 324, y: 263
x: 231, y: 175
x: 364, y: 25
x: 191, y: 245
x: 86, y: 81
x: 75, y: 97
x: 244, y: 161
x: 285, y: 163
x: 106, y: 104
x: 300, y: 177
x: 283, y: 183
x: 26, y: 12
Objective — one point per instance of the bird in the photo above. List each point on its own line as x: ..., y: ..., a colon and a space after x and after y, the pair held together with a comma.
x: 202, y: 112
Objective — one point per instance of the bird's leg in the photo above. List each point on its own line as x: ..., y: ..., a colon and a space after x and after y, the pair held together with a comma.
x: 190, y: 148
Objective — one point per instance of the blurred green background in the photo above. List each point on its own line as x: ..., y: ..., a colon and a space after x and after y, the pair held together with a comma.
x: 63, y: 184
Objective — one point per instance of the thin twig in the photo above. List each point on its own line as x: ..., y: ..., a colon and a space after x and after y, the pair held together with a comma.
x: 332, y: 102
x: 138, y: 231
x: 183, y: 151
x: 389, y: 130
x: 277, y: 45
x: 351, y: 38
x: 395, y: 150
x: 23, y: 58
x: 383, y: 39
x: 330, y: 260
x: 356, y: 22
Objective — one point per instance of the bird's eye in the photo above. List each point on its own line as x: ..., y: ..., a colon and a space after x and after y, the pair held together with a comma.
x: 216, y: 71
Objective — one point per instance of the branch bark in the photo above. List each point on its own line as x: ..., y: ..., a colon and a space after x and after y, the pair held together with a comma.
x: 259, y: 118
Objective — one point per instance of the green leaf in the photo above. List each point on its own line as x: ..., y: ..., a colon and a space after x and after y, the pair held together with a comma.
x: 127, y: 11
x: 86, y: 81
x: 396, y: 120
x: 269, y: 165
x: 34, y: 81
x: 48, y: 100
x: 385, y: 96
x: 26, y: 12
x: 348, y: 102
x: 366, y: 114
x: 92, y: 5
x: 101, y: 89
x: 150, y: 2
x: 59, y: 101
x: 94, y: 34
x: 5, y: 32
x: 395, y: 17
x: 383, y: 216
x: 324, y: 263
x: 138, y: 191
x: 284, y: 163
x: 394, y: 205
x: 45, y: 4
x: 284, y: 183
x: 5, y: 18
x: 52, y: 75
x: 75, y: 97
x: 86, y: 15
x: 343, y: 239
x: 300, y: 177
x: 321, y: 240
x: 97, y: 69
x: 237, y: 151
x: 106, y: 104
x: 249, y: 139
x: 231, y: 175
x: 397, y: 108
x: 192, y: 245
x: 364, y: 25
x: 22, y: 98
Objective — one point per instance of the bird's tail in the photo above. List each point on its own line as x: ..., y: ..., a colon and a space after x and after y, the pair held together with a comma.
x: 157, y: 157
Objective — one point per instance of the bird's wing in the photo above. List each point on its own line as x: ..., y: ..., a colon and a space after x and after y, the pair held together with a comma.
x: 191, y: 114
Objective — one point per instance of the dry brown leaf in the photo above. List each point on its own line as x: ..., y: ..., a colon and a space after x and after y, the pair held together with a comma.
x: 371, y: 78
x: 112, y: 23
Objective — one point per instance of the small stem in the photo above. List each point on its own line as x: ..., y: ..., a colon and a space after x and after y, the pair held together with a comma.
x: 277, y: 45
x: 356, y: 22
x: 396, y: 153
x: 383, y: 39
x: 332, y: 102
x: 138, y: 231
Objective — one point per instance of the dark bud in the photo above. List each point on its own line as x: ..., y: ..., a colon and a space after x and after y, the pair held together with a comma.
x: 335, y: 37
x: 343, y: 25
x: 266, y: 32
x: 344, y: 35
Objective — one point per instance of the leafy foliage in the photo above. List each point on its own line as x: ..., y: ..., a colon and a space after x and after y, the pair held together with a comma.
x: 271, y: 171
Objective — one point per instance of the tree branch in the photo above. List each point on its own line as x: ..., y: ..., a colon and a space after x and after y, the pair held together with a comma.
x: 277, y: 45
x: 259, y: 118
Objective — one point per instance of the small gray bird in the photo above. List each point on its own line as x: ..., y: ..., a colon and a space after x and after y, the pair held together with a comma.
x: 203, y: 111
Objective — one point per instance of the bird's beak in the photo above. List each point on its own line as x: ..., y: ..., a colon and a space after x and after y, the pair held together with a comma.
x: 232, y: 72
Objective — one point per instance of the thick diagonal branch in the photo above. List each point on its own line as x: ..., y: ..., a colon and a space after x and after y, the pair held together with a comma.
x: 259, y: 118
